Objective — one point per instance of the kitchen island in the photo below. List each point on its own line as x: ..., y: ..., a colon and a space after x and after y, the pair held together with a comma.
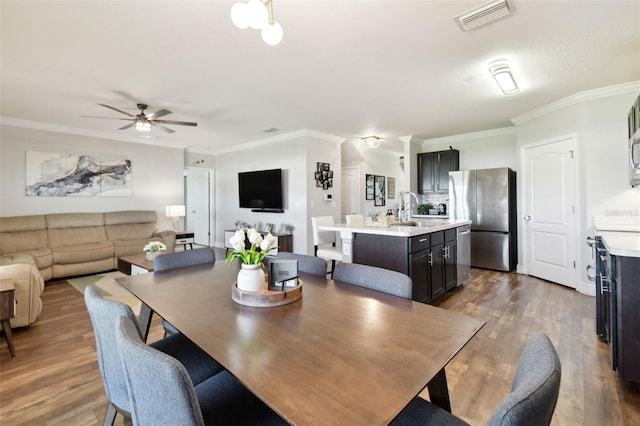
x: 425, y: 251
x: 618, y: 291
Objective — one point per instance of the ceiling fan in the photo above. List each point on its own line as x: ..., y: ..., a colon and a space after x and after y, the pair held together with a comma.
x: 143, y: 121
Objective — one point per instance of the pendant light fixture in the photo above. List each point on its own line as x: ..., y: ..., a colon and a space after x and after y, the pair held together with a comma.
x: 255, y: 14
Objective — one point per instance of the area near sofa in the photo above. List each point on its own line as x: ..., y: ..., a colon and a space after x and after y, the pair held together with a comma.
x: 37, y: 248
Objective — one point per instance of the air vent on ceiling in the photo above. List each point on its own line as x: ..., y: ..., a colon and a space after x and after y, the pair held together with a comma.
x: 484, y: 14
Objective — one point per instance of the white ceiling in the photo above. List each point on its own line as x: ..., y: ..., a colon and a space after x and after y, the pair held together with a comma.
x: 347, y: 68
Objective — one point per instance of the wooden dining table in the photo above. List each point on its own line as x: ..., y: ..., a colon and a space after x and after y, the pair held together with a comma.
x: 341, y: 354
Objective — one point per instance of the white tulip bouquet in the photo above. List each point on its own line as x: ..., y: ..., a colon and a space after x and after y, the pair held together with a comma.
x: 250, y: 256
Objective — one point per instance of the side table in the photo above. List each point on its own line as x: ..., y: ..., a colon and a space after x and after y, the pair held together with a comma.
x: 7, y: 311
x: 184, y: 239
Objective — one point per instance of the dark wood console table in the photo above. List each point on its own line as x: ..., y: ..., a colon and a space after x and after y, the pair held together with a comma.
x: 7, y: 311
x: 284, y: 241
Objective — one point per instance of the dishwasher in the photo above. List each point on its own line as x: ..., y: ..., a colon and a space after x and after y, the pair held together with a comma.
x: 463, y: 254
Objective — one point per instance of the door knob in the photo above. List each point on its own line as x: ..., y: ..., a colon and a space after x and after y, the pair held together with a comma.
x: 527, y: 218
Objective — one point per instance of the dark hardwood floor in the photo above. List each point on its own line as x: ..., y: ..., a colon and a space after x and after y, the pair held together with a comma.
x: 54, y: 378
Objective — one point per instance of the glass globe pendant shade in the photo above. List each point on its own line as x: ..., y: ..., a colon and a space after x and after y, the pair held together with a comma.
x: 257, y: 13
x: 272, y: 33
x: 240, y: 15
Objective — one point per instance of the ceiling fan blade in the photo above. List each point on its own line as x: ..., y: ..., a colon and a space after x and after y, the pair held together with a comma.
x: 128, y: 126
x: 181, y: 123
x: 116, y: 109
x: 161, y: 127
x: 109, y: 118
x: 158, y: 114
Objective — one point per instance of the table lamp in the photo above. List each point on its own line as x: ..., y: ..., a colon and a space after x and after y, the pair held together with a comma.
x: 175, y: 213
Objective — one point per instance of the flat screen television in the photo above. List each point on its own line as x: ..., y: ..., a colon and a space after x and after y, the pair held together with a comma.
x: 261, y: 190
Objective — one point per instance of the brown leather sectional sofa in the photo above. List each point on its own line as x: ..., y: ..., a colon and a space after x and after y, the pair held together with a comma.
x: 37, y: 248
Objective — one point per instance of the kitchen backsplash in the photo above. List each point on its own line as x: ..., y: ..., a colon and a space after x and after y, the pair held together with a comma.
x: 435, y: 199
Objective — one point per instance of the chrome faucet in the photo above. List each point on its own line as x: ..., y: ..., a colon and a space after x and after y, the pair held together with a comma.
x: 407, y: 206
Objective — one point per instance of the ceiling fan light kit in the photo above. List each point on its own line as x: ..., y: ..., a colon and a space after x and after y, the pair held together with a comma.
x: 256, y: 15
x: 144, y: 122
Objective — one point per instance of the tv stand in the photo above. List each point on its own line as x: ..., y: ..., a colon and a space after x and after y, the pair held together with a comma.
x: 267, y: 210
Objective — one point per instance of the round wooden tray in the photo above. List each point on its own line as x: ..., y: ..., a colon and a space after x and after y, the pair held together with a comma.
x: 267, y: 298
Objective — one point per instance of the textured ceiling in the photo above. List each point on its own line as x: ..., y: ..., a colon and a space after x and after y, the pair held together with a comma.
x: 346, y: 68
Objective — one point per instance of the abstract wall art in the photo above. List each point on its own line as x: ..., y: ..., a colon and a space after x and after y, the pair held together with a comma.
x: 68, y: 175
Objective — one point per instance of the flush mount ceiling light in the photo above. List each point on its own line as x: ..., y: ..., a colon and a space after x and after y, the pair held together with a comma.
x: 371, y: 142
x: 254, y: 14
x: 503, y: 76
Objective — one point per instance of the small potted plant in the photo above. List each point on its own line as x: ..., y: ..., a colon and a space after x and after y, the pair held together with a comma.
x: 153, y: 249
x: 288, y: 228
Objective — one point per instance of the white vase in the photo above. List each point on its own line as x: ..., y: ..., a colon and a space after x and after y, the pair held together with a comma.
x: 251, y: 278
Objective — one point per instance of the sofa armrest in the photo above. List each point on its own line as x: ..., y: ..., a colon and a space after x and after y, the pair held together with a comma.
x: 169, y: 239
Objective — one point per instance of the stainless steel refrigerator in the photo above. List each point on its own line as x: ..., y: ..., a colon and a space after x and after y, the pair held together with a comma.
x: 488, y: 198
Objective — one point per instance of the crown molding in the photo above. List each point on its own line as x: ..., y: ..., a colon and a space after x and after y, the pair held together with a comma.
x: 587, y: 95
x: 271, y: 140
x: 56, y: 128
x: 469, y: 136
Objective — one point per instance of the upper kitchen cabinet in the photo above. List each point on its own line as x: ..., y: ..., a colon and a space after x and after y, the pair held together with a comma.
x: 434, y: 168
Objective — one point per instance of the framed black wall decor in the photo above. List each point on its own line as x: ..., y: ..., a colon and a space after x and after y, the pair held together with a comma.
x: 369, y: 188
x: 391, y: 188
x: 379, y: 198
x: 323, y: 176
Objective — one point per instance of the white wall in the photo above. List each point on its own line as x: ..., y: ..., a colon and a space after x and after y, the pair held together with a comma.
x: 324, y: 149
x: 382, y: 163
x: 603, y: 187
x: 156, y: 174
x: 482, y: 150
x: 297, y: 157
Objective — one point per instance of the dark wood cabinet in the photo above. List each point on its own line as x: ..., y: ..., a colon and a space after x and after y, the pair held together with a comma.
x: 625, y: 316
x: 434, y: 168
x: 450, y: 260
x: 284, y: 242
x: 429, y: 259
x: 420, y: 267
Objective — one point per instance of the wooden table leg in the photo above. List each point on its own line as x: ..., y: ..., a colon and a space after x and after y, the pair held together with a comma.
x: 439, y: 391
x: 145, y: 320
x: 6, y: 328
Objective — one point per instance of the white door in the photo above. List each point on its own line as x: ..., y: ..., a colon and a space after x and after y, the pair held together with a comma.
x: 549, y: 213
x: 350, y: 196
x: 197, y: 190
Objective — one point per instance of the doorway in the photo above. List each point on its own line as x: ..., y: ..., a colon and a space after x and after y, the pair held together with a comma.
x: 549, y: 210
x: 350, y: 195
x: 198, y: 190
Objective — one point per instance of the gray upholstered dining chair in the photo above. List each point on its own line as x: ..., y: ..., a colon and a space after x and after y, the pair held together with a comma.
x: 324, y: 242
x: 104, y: 314
x: 181, y: 259
x: 532, y: 400
x: 379, y: 279
x: 176, y: 399
x: 306, y: 264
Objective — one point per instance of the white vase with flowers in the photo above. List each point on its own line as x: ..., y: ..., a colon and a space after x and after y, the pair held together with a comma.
x: 251, y: 276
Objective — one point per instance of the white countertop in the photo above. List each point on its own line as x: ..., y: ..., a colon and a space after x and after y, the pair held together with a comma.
x: 621, y: 243
x: 433, y: 225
